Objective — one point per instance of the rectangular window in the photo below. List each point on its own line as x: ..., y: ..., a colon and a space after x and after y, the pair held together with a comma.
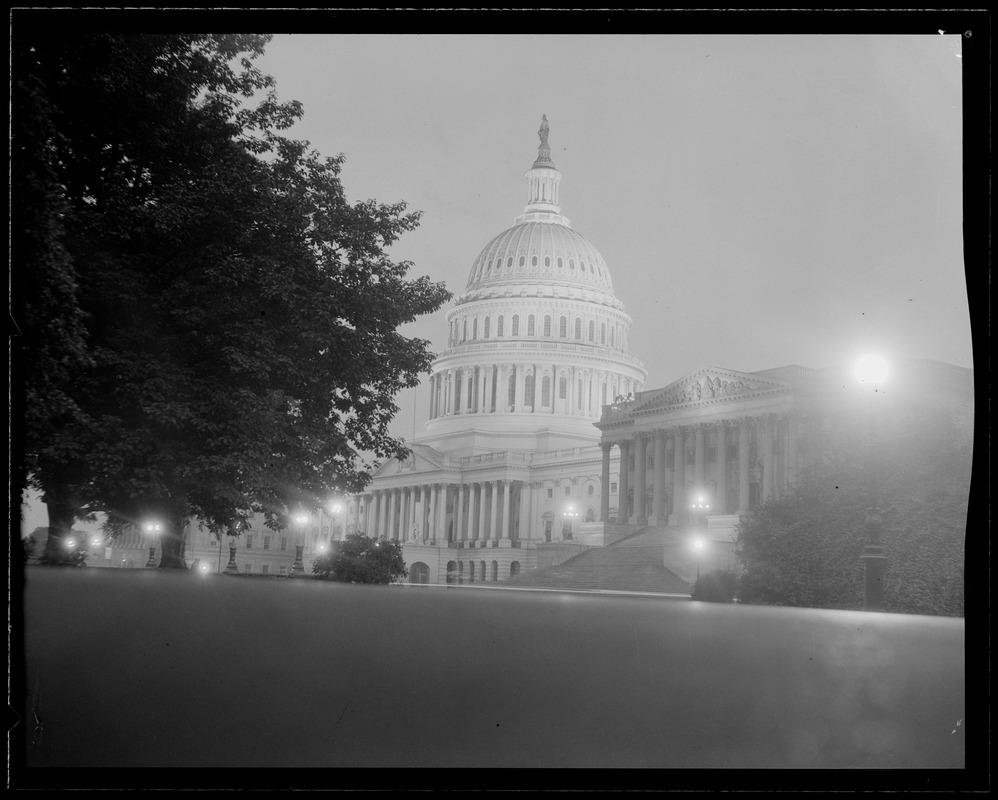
x: 266, y: 542
x: 690, y: 456
x: 247, y: 568
x: 249, y: 541
x: 711, y: 454
x: 568, y: 491
x: 550, y: 493
x: 732, y: 452
x: 547, y: 530
x: 265, y: 569
x: 284, y: 569
x: 613, y: 488
x: 284, y: 542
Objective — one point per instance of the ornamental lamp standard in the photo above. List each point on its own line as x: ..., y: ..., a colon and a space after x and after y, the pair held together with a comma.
x: 153, y: 529
x: 871, y: 373
x: 298, y: 568
x: 568, y: 515
x: 699, y: 545
x: 335, y: 508
x: 699, y: 509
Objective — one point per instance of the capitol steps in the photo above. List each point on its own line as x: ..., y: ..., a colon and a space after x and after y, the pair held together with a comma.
x: 633, y: 564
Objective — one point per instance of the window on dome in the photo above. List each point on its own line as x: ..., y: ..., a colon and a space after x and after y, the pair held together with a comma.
x: 582, y: 266
x: 578, y: 397
x: 611, y: 337
x: 528, y: 391
x: 523, y: 260
x: 562, y: 387
x: 563, y: 328
x: 561, y: 263
x: 474, y: 329
x: 547, y: 261
x: 516, y: 325
x: 499, y: 326
x: 464, y: 331
x: 547, y: 325
x: 603, y: 395
x: 509, y: 262
x: 530, y: 325
x: 592, y: 331
x: 511, y: 391
x: 602, y: 332
x: 591, y: 270
x: 533, y: 261
x: 546, y: 391
x: 578, y: 328
x: 571, y: 264
x: 485, y: 332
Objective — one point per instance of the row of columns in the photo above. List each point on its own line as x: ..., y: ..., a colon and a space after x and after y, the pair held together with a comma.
x: 485, y: 389
x: 696, y: 435
x: 482, y: 512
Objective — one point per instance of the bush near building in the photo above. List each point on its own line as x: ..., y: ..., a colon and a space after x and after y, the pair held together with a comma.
x: 361, y: 559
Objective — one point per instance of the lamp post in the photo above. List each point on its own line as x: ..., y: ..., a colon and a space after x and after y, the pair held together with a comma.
x: 298, y: 568
x: 700, y: 509
x: 698, y: 548
x: 567, y: 516
x: 871, y: 372
x: 335, y: 508
x: 152, y: 529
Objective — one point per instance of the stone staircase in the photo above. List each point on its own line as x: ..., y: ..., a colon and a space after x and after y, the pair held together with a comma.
x: 633, y: 564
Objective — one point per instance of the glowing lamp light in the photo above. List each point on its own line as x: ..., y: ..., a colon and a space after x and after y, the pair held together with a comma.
x: 95, y: 541
x: 301, y: 519
x: 336, y: 508
x: 871, y: 369
x: 153, y: 527
x: 204, y: 567
x: 71, y: 543
x: 698, y: 544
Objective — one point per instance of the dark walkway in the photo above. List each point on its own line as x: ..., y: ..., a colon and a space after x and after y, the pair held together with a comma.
x: 633, y: 564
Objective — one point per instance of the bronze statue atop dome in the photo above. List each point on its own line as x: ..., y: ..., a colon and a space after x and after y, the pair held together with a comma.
x: 544, y: 150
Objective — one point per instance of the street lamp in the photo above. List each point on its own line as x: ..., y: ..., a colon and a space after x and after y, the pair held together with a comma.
x: 568, y: 515
x: 871, y: 371
x: 335, y: 508
x: 699, y: 508
x: 698, y: 548
x: 298, y: 568
x: 152, y: 529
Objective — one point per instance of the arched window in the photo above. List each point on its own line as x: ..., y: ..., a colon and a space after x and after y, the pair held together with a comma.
x: 486, y: 332
x: 419, y: 573
x: 590, y: 515
x: 528, y: 390
x: 561, y: 263
x: 578, y: 396
x: 530, y: 325
x: 495, y: 571
x: 516, y: 325
x: 511, y: 392
x: 514, y: 569
x: 563, y: 328
x: 499, y: 326
x: 509, y: 262
x: 464, y: 331
x: 592, y: 331
x: 483, y: 571
x: 546, y: 390
x: 474, y: 328
x: 457, y: 394
x: 533, y: 261
x: 471, y: 572
x: 602, y: 332
x: 547, y: 324
x: 562, y: 387
x: 523, y: 260
x: 571, y: 264
x: 547, y: 261
x: 451, y: 572
x: 578, y: 328
x: 611, y: 336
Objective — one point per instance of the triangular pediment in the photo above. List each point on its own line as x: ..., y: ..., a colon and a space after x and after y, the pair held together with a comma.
x: 709, y: 385
x: 421, y: 458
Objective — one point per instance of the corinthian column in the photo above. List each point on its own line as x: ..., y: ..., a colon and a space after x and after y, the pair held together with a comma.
x: 767, y: 457
x: 721, y: 501
x: 505, y: 513
x: 640, y: 480
x: 604, y: 502
x: 471, y: 514
x: 658, y: 477
x: 743, y: 465
x: 679, y: 476
x: 625, y: 456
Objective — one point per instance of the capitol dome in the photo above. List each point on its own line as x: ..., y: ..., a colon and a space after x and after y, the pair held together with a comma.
x: 541, y: 250
x: 537, y: 342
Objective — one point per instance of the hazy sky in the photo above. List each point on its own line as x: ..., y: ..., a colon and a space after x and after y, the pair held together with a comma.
x: 760, y: 200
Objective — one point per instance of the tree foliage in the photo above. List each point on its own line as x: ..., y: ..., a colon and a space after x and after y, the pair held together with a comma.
x: 226, y: 322
x: 361, y: 559
x: 804, y: 549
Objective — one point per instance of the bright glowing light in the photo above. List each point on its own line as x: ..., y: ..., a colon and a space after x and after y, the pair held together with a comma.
x: 336, y: 508
x: 699, y: 499
x: 204, y: 567
x: 95, y: 541
x: 71, y: 543
x: 322, y: 548
x: 871, y: 369
x: 301, y: 519
x: 153, y: 527
x: 698, y: 544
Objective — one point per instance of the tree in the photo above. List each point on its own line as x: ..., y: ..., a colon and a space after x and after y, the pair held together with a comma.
x: 241, y: 317
x: 804, y: 549
x: 360, y: 559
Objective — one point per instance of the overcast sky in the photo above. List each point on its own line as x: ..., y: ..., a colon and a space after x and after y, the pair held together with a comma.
x: 760, y: 200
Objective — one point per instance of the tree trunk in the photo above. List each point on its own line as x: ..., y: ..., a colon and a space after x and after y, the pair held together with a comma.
x: 62, y: 511
x: 172, y: 544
